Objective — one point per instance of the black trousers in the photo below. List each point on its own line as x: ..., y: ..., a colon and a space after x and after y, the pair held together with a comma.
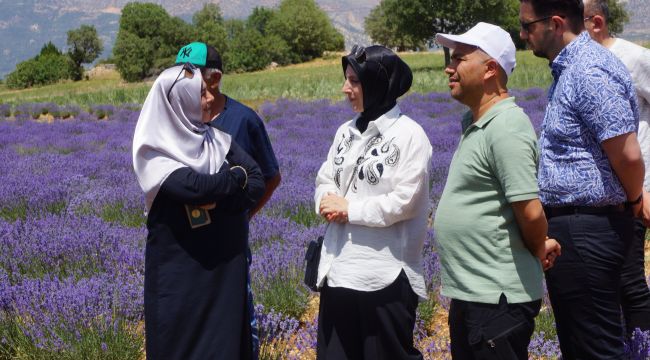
x: 482, y: 331
x: 371, y: 325
x: 584, y: 284
x: 635, y: 295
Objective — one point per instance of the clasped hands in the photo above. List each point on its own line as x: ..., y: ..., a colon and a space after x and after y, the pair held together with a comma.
x: 334, y: 208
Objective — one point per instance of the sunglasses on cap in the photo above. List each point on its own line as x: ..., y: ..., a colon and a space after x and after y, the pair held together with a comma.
x: 358, y: 52
x: 186, y: 67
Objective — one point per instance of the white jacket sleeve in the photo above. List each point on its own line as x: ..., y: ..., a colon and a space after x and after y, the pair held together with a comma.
x: 411, y: 188
x: 325, y: 177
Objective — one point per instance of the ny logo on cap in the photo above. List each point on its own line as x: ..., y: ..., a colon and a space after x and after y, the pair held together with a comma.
x: 186, y: 51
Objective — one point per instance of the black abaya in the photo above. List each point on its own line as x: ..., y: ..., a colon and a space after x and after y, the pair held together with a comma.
x: 195, y: 279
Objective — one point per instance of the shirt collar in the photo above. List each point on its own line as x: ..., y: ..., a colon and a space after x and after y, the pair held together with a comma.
x: 568, y: 55
x: 495, y: 110
x: 379, y: 125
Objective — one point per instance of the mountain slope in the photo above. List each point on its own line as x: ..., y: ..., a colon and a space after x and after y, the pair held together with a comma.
x: 26, y: 25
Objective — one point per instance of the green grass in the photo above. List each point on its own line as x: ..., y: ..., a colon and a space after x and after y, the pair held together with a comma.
x: 284, y: 294
x: 545, y: 322
x: 303, y: 215
x: 13, y: 212
x: 119, y: 343
x: 19, y: 210
x: 427, y: 309
x: 317, y: 79
x: 120, y: 214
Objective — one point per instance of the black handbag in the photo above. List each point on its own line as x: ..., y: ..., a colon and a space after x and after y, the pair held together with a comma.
x: 312, y: 259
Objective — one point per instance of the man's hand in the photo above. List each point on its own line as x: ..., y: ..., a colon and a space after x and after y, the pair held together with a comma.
x: 642, y: 209
x: 552, y: 250
x: 334, y: 208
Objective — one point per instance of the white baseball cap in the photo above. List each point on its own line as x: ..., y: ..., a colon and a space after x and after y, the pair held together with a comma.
x: 492, y: 39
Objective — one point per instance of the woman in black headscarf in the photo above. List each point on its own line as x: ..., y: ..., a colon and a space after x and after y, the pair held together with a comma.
x: 373, y: 189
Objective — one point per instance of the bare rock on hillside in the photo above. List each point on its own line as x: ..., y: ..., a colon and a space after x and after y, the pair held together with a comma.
x: 100, y: 71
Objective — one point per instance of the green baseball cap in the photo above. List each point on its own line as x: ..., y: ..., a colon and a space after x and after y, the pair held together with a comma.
x: 201, y: 55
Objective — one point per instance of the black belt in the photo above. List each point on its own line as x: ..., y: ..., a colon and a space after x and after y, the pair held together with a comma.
x: 591, y: 210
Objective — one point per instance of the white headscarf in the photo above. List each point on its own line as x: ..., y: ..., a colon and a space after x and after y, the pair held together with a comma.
x: 170, y: 134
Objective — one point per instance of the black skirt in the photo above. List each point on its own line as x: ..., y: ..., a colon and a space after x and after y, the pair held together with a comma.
x: 195, y: 285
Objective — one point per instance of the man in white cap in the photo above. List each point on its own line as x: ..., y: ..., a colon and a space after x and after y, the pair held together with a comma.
x: 490, y: 225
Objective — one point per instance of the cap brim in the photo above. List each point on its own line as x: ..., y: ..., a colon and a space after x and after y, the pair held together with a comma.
x: 450, y: 41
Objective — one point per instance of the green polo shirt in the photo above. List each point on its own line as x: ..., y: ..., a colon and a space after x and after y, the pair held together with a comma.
x: 481, y: 250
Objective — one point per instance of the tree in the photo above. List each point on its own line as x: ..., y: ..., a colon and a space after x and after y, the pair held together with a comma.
x: 210, y: 28
x: 276, y: 47
x: 260, y: 18
x: 249, y: 50
x: 306, y: 29
x: 618, y: 17
x: 422, y: 19
x: 147, y: 30
x: 49, y: 49
x: 381, y: 28
x: 133, y: 56
x: 84, y: 47
x: 210, y: 13
x: 48, y: 67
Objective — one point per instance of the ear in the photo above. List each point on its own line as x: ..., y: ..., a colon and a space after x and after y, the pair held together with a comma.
x: 599, y: 23
x: 559, y: 24
x: 214, y: 81
x: 492, y: 70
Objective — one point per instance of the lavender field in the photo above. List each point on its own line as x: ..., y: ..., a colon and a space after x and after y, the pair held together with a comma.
x: 72, y: 230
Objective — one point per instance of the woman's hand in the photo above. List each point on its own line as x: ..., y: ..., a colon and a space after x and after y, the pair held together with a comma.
x: 209, y: 206
x: 334, y: 208
x: 243, y: 178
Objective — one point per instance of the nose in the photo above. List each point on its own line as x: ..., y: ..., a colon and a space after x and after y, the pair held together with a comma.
x: 346, y: 87
x: 523, y: 34
x: 449, y: 70
x: 209, y: 98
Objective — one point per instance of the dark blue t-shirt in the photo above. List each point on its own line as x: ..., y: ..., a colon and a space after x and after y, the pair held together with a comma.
x: 247, y: 129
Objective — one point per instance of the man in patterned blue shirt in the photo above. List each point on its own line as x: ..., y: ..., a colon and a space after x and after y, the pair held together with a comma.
x: 590, y: 176
x: 635, y: 295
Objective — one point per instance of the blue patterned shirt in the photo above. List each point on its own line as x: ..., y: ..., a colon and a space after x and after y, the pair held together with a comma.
x: 591, y: 100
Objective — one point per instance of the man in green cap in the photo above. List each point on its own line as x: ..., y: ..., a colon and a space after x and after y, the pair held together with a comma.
x: 246, y: 128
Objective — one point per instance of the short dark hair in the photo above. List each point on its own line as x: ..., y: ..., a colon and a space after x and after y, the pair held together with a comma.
x: 572, y: 10
x: 599, y: 7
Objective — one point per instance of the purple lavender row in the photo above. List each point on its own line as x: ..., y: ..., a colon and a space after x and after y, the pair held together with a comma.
x: 73, y: 231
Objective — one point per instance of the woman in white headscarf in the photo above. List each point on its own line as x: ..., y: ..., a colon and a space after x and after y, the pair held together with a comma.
x: 198, y: 185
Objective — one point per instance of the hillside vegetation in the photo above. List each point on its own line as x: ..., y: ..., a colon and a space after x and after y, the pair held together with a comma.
x: 318, y: 79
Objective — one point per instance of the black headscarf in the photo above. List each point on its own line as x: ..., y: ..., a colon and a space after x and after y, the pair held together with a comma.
x: 384, y: 77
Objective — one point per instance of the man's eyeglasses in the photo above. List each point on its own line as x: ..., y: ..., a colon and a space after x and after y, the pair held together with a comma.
x: 186, y: 67
x: 525, y: 26
x: 588, y: 18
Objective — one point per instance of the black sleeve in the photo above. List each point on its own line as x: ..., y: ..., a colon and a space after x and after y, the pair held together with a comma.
x: 255, y: 185
x: 190, y: 187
